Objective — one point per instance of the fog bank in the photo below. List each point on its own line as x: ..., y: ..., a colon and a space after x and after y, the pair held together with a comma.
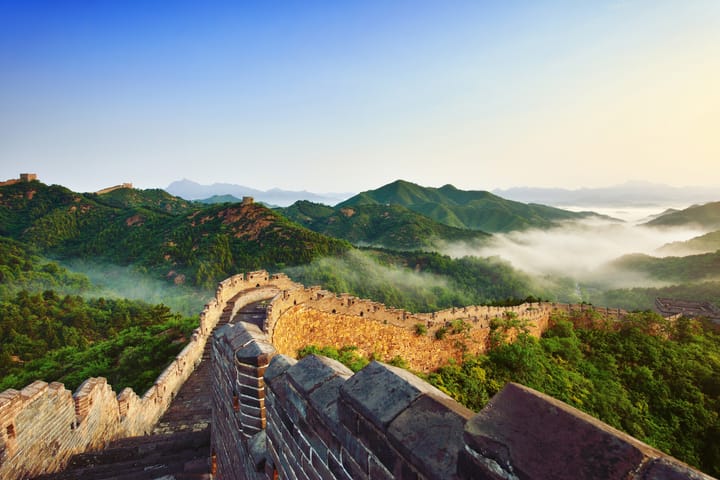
x: 113, y: 281
x: 579, y: 249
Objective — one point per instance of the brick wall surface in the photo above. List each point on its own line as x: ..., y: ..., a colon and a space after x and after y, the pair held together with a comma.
x: 275, y: 417
x: 43, y: 425
x: 322, y: 422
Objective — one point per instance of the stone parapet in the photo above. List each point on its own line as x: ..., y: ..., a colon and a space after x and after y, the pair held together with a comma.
x: 240, y: 357
x: 324, y: 422
x: 523, y: 433
x: 43, y: 425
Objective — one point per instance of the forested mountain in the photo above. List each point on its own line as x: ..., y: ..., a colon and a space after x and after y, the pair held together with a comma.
x: 693, y: 277
x: 710, y: 242
x: 687, y: 269
x: 152, y: 199
x: 476, y: 210
x: 391, y: 226
x: 197, y: 243
x: 48, y: 331
x: 705, y: 216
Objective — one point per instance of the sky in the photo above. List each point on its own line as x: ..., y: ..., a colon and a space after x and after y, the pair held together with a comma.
x: 346, y: 96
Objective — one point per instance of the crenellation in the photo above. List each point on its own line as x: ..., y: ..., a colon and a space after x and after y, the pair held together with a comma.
x: 314, y: 419
x: 94, y: 415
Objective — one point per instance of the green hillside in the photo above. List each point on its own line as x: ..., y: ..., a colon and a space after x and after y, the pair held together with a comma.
x: 390, y: 226
x: 710, y: 242
x: 476, y: 210
x: 191, y: 243
x: 419, y: 281
x: 644, y: 298
x: 689, y: 269
x: 22, y: 269
x: 221, y: 199
x: 153, y: 199
x: 705, y: 216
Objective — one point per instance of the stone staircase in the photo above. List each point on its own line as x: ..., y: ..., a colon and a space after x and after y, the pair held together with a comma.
x: 179, y: 445
x: 181, y: 456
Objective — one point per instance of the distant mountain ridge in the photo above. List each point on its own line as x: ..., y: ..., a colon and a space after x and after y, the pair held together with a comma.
x: 629, y: 194
x: 190, y: 190
x: 474, y: 210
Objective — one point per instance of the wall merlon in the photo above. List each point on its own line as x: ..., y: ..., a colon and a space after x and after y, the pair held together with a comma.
x: 323, y: 422
x: 34, y: 390
x: 314, y: 419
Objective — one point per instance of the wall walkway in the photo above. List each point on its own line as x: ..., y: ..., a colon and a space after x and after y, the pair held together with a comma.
x: 313, y: 419
x: 276, y: 417
x: 43, y: 425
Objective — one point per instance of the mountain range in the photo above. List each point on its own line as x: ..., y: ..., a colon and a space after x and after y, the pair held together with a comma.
x: 468, y: 209
x: 180, y: 240
x: 629, y: 194
x: 224, y: 191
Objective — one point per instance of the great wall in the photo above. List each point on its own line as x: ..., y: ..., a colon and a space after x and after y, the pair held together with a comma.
x: 276, y: 417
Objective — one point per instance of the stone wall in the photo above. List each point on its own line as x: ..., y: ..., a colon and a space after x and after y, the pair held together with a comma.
x: 302, y: 316
x: 43, y: 425
x: 302, y: 325
x: 313, y: 419
x: 276, y: 417
x: 322, y: 423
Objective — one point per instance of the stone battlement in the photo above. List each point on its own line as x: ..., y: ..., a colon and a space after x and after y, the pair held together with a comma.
x: 273, y: 415
x: 276, y: 417
x: 43, y: 425
x: 24, y: 177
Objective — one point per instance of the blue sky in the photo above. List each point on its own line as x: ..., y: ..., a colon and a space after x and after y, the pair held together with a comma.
x: 347, y: 96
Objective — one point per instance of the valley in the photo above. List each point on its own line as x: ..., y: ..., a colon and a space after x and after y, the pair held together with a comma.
x: 107, y: 283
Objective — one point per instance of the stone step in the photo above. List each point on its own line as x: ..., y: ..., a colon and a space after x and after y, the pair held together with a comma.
x: 151, y: 456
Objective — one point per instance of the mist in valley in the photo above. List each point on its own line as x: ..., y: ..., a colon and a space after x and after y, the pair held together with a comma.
x: 360, y: 273
x: 114, y: 281
x: 581, y: 252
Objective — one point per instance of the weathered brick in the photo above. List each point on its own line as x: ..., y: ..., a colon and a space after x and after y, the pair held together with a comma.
x: 429, y: 433
x: 537, y: 436
x: 380, y: 392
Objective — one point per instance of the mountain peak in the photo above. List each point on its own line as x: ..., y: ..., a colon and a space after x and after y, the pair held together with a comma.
x: 475, y: 210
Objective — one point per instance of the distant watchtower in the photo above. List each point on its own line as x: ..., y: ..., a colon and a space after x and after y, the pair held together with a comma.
x: 28, y: 177
x: 247, y: 200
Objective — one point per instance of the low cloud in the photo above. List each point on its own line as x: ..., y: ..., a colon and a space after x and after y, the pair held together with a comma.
x: 113, y: 281
x: 360, y: 272
x: 578, y: 250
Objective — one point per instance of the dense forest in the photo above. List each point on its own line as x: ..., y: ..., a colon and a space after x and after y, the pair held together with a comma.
x: 419, y: 281
x: 189, y: 243
x: 21, y: 268
x: 654, y: 379
x: 49, y: 332
x: 68, y: 339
